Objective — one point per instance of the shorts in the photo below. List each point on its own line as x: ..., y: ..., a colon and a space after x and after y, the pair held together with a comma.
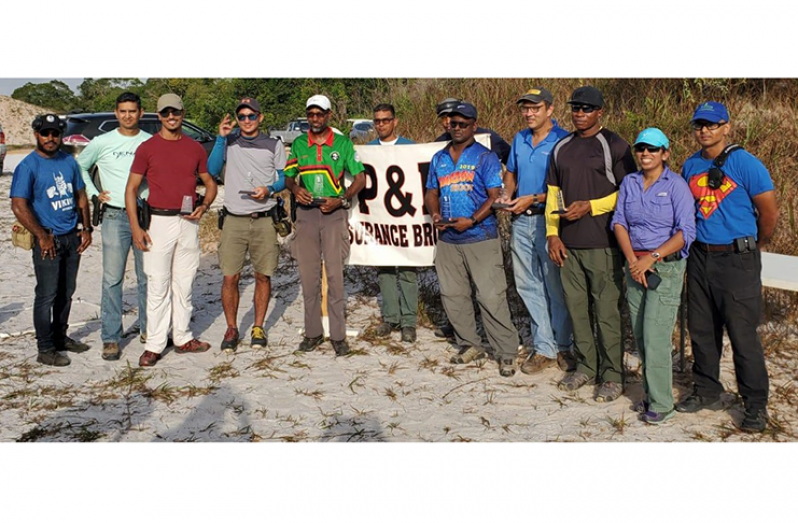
x: 256, y: 235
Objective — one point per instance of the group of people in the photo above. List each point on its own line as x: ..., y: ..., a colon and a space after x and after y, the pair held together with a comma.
x: 586, y: 208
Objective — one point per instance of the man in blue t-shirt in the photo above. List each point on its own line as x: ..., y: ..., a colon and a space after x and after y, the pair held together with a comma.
x: 463, y: 182
x: 736, y: 215
x: 48, y: 198
x: 537, y: 278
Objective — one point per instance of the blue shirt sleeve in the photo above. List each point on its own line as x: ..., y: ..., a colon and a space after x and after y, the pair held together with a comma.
x: 216, y: 159
x: 752, y: 172
x: 432, y: 177
x: 279, y: 185
x: 511, y: 162
x: 683, y: 213
x: 22, y: 182
x: 619, y: 217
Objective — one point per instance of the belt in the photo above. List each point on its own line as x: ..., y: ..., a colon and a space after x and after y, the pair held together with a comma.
x: 164, y: 212
x: 712, y: 247
x: 114, y: 207
x: 534, y: 211
x: 253, y: 215
x: 676, y: 256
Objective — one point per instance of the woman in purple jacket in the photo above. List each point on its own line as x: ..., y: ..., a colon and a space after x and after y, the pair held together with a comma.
x: 654, y: 223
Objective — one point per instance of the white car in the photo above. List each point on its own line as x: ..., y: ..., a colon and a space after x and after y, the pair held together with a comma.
x: 3, y: 148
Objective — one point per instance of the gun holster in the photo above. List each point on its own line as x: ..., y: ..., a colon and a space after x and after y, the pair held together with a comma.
x: 280, y: 219
x: 98, y: 210
x: 144, y: 215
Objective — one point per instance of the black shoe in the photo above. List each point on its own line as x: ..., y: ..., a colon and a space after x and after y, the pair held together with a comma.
x: 310, y: 344
x: 384, y: 329
x: 755, y: 420
x: 72, y: 346
x: 446, y: 331
x: 408, y: 334
x: 341, y: 347
x: 694, y: 403
x: 230, y: 340
x: 54, y: 359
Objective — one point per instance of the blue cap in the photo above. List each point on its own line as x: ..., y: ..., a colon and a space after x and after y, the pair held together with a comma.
x: 465, y: 109
x: 653, y: 136
x: 713, y: 112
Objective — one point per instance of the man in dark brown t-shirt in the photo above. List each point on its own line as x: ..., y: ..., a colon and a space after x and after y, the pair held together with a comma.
x: 585, y: 172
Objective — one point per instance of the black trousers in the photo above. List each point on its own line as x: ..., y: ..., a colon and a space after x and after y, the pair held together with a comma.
x: 724, y: 289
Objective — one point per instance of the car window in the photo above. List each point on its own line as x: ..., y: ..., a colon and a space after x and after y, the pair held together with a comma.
x: 108, y: 126
x: 363, y: 126
x: 75, y: 126
x: 192, y: 133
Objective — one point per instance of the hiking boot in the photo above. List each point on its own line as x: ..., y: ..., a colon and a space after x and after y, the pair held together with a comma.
x: 230, y: 341
x: 259, y: 339
x: 148, y: 359
x: 755, y: 420
x: 74, y: 346
x: 537, y: 362
x: 384, y: 329
x: 609, y: 391
x: 53, y: 358
x: 445, y: 331
x: 694, y: 403
x: 507, y: 367
x: 641, y: 407
x: 192, y: 346
x: 467, y: 355
x: 341, y: 347
x: 575, y: 380
x: 310, y: 344
x: 110, y: 351
x: 566, y: 360
x: 655, y: 418
x: 408, y: 334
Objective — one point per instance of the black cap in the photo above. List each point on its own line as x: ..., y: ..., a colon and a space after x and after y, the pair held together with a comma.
x: 587, y: 95
x: 465, y: 109
x: 446, y: 106
x: 249, y: 102
x: 537, y: 95
x: 48, y: 121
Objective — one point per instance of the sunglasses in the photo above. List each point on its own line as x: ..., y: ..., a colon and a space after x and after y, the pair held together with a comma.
x: 639, y: 148
x: 315, y: 114
x: 382, y: 121
x: 454, y: 124
x: 711, y: 126
x: 174, y: 112
x: 251, y: 117
x: 587, y: 109
x: 531, y: 109
x: 50, y: 132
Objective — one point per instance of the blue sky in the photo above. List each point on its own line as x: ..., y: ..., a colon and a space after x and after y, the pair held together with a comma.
x: 7, y: 85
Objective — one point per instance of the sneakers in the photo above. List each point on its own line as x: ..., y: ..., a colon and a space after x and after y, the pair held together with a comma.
x: 230, y: 341
x: 566, y: 361
x: 384, y: 329
x: 694, y: 403
x: 110, y: 351
x: 148, y: 359
x: 537, y: 362
x: 755, y: 420
x: 575, y: 381
x: 641, y: 407
x: 259, y: 339
x: 143, y: 338
x: 54, y: 359
x: 73, y: 346
x: 341, y: 347
x: 310, y: 344
x: 609, y: 391
x: 507, y: 367
x: 655, y: 418
x: 408, y: 334
x: 467, y: 355
x: 193, y: 346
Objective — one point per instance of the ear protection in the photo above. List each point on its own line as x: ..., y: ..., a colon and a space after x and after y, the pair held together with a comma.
x: 39, y: 121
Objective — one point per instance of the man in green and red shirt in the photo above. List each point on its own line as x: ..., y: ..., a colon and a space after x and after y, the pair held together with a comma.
x: 315, y: 175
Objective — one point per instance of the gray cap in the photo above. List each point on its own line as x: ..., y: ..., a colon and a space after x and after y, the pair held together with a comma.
x: 169, y: 100
x: 446, y: 106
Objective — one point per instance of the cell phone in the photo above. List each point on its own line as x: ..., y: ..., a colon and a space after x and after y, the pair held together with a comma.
x: 316, y: 202
x: 653, y: 280
x: 500, y: 205
x: 248, y: 193
x: 447, y: 221
x: 559, y: 211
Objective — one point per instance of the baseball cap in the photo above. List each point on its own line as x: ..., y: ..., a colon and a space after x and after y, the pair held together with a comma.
x: 653, y: 136
x: 711, y: 112
x: 587, y: 95
x: 249, y: 102
x: 465, y: 109
x: 446, y: 106
x: 49, y: 121
x: 169, y: 100
x: 537, y: 95
x: 320, y: 101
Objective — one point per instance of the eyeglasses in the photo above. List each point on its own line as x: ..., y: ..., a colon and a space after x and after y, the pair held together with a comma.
x: 639, y: 148
x: 251, y: 117
x: 587, y: 109
x: 711, y: 126
x: 533, y: 109
x: 315, y: 114
x: 174, y: 112
x: 50, y: 132
x: 454, y: 124
x: 382, y: 121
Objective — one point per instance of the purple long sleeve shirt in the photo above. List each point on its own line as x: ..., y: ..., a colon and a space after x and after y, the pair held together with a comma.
x: 651, y: 217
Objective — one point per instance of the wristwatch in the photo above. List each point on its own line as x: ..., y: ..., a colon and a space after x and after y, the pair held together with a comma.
x: 474, y: 219
x: 656, y: 256
x: 345, y: 203
x: 88, y: 229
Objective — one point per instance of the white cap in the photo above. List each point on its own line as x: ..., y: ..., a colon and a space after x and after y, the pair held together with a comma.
x: 320, y: 101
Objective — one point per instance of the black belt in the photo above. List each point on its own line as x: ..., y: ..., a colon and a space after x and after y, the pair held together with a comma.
x: 114, y: 207
x: 253, y: 215
x: 535, y: 211
x: 164, y: 212
x: 746, y: 244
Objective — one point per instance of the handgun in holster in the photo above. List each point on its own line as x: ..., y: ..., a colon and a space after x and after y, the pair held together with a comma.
x: 143, y: 214
x: 98, y: 210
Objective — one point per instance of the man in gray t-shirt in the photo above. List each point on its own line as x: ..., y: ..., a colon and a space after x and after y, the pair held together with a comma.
x: 254, y: 172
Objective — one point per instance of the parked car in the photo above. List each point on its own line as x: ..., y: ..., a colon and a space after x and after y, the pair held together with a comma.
x: 3, y: 148
x: 362, y: 131
x: 292, y: 130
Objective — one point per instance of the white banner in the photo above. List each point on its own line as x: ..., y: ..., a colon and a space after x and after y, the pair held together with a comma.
x: 387, y: 223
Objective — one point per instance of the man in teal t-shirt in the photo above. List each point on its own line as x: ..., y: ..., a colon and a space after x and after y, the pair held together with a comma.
x: 112, y: 154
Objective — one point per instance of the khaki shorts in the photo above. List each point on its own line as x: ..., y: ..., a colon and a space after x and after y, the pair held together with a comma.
x: 242, y: 234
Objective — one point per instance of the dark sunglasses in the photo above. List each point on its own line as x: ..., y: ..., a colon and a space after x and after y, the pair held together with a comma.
x: 315, y: 114
x: 50, y: 132
x: 381, y: 121
x: 639, y: 148
x: 711, y: 126
x: 587, y: 109
x: 251, y: 117
x: 174, y: 112
x: 454, y: 124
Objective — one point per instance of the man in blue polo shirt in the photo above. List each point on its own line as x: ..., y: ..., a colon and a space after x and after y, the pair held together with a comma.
x: 463, y: 182
x: 736, y: 215
x: 537, y: 278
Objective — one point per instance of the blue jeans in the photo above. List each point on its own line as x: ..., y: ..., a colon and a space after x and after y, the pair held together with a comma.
x: 56, y: 280
x: 117, y: 242
x: 537, y: 280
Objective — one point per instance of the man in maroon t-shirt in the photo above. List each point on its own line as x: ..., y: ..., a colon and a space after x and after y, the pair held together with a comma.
x: 170, y: 162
